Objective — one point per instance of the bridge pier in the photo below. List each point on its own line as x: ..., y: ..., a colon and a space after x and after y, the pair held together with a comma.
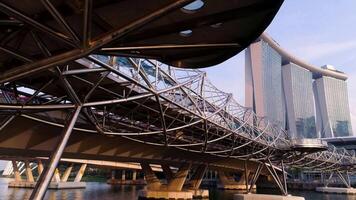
x: 56, y: 182
x: 174, y: 188
x: 167, y: 172
x: 16, y: 171
x: 195, y: 182
x: 29, y: 174
x: 66, y: 173
x: 345, y: 179
x: 39, y: 167
x: 228, y: 182
x: 134, y: 174
x: 80, y: 173
x: 127, y: 178
x: 280, y: 181
x: 56, y: 177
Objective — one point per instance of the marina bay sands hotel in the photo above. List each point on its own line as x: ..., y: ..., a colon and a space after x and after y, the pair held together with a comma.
x: 308, y: 101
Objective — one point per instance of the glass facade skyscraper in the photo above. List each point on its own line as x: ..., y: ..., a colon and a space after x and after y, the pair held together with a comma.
x: 307, y: 101
x: 332, y: 107
x: 263, y: 82
x: 298, y: 90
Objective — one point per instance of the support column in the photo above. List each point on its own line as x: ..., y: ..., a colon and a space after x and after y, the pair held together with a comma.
x: 16, y: 171
x: 39, y: 167
x: 195, y: 182
x: 80, y: 173
x: 56, y: 177
x: 228, y: 182
x: 281, y: 185
x: 155, y: 190
x: 45, y: 178
x: 29, y: 174
x: 176, y: 184
x: 123, y: 175
x: 345, y: 179
x: 197, y: 177
x: 134, y: 174
x: 167, y: 172
x: 66, y: 173
x: 153, y: 183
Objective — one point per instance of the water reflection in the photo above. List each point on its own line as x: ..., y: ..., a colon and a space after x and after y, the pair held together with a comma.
x: 103, y: 191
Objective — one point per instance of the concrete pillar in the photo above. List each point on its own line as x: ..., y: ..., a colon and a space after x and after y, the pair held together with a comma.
x: 167, y: 172
x: 197, y: 177
x: 80, y: 173
x: 29, y: 174
x: 16, y: 171
x: 134, y: 174
x: 123, y: 175
x: 56, y: 176
x: 66, y: 173
x: 176, y: 184
x: 39, y: 167
x: 153, y: 182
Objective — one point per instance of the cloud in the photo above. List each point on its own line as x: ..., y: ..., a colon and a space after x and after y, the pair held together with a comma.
x: 314, y: 50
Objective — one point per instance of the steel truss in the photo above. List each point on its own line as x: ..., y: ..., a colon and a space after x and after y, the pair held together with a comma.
x: 157, y: 104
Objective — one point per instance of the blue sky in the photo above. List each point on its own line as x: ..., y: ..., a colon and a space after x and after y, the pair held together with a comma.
x: 318, y: 31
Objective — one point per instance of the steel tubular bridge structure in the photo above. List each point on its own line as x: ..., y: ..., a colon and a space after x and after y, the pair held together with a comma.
x: 152, y: 103
x: 106, y: 68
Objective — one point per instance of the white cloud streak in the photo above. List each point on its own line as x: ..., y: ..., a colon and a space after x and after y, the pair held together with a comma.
x: 314, y: 50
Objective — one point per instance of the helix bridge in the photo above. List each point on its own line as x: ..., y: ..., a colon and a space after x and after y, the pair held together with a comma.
x: 149, y: 102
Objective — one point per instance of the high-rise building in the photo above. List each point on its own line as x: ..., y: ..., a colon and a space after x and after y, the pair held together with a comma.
x: 307, y: 101
x: 332, y: 107
x: 298, y: 90
x: 263, y: 76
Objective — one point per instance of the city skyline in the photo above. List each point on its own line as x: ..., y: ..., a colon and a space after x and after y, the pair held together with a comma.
x: 304, y: 30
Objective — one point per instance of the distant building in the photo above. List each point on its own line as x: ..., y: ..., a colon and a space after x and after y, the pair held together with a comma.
x: 332, y: 107
x: 263, y: 77
x: 299, y: 98
x: 307, y: 101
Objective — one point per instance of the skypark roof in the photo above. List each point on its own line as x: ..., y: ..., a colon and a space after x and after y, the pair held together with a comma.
x: 286, y: 56
x: 37, y: 35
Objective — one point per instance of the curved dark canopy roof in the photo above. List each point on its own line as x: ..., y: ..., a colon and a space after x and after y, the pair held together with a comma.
x: 36, y: 35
